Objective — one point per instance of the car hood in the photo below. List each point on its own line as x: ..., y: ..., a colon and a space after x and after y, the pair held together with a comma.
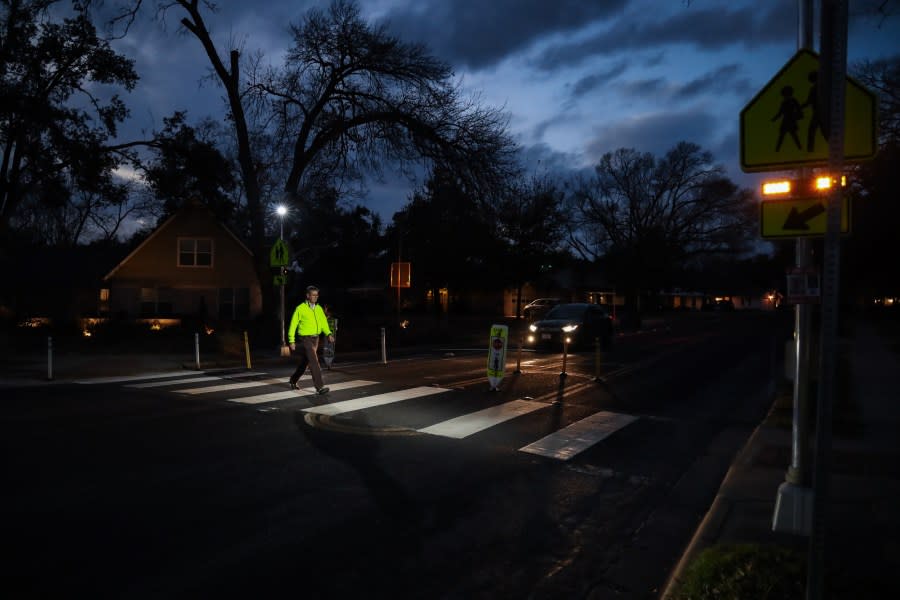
x: 555, y: 323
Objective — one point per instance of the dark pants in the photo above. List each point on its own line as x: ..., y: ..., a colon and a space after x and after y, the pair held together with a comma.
x: 308, y: 358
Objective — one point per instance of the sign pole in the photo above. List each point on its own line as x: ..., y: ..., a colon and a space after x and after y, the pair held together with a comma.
x: 834, y: 46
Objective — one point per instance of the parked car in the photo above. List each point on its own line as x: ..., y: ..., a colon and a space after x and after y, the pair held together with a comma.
x: 538, y: 308
x: 580, y: 323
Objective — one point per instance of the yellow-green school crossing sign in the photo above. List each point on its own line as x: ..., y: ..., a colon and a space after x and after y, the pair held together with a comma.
x: 781, y: 129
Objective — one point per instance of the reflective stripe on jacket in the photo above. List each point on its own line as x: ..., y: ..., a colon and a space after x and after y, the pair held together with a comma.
x: 308, y: 321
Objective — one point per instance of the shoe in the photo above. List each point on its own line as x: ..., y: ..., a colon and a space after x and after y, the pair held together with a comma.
x: 293, y: 385
x: 322, y: 390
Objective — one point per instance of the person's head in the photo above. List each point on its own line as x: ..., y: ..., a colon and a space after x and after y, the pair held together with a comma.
x: 312, y: 293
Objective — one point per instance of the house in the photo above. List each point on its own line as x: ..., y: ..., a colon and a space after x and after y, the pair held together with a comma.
x: 192, y: 265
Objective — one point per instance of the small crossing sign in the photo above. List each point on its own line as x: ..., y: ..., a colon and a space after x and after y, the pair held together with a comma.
x: 781, y: 127
x: 279, y: 254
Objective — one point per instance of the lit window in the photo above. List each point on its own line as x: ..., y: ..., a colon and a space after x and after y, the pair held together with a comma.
x: 195, y: 252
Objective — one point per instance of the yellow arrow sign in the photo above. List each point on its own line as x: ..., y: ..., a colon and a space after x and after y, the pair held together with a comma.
x: 781, y: 127
x: 799, y: 217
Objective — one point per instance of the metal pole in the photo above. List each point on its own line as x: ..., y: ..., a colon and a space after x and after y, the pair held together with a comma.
x: 519, y: 356
x: 50, y: 357
x: 247, y: 350
x: 565, y: 354
x: 597, y: 360
x: 798, y: 471
x: 383, y: 348
x: 283, y: 351
x: 834, y: 47
x: 197, y: 350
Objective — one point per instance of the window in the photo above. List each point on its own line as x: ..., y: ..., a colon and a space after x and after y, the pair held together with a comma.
x: 234, y: 303
x: 156, y: 302
x: 195, y: 252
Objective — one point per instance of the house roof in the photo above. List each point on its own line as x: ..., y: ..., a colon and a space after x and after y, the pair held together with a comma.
x: 189, y: 205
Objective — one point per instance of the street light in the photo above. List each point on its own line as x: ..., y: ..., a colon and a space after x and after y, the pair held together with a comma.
x: 281, y: 211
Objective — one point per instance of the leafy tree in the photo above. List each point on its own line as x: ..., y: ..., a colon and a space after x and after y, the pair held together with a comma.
x: 533, y: 227
x: 55, y: 171
x: 447, y: 237
x: 645, y: 217
x: 876, y: 211
x: 188, y: 165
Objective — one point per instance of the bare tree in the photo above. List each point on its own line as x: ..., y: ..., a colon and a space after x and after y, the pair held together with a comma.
x: 349, y: 98
x: 646, y: 216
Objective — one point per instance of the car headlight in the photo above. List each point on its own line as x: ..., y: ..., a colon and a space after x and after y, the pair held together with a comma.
x: 570, y: 328
x: 532, y: 328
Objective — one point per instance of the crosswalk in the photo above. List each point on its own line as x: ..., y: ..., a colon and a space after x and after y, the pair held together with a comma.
x: 255, y: 388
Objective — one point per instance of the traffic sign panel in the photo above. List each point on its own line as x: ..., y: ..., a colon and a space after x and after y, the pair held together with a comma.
x: 799, y: 217
x: 781, y: 127
x: 279, y: 255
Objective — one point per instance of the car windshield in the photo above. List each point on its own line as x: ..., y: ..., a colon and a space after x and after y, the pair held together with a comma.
x: 566, y: 311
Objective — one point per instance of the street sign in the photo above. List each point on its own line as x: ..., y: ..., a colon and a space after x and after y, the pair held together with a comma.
x: 400, y: 275
x: 279, y: 254
x: 781, y: 127
x: 496, y: 365
x: 799, y: 217
x: 279, y: 280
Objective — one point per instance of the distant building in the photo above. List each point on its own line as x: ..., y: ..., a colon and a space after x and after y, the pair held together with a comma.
x: 192, y: 265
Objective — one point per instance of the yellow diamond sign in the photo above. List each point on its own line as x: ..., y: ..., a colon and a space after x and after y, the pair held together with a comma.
x: 781, y: 127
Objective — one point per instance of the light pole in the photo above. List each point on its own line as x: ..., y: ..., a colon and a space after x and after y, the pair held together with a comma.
x: 281, y: 210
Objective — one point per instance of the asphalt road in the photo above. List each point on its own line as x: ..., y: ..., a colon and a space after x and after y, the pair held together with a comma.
x: 409, y: 479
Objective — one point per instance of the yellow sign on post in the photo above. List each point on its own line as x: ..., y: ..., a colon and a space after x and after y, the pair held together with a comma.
x: 799, y: 217
x: 279, y: 254
x: 781, y: 127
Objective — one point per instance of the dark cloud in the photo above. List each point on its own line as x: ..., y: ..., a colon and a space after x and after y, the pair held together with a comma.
x: 477, y: 34
x: 707, y: 29
x: 722, y: 80
x: 595, y: 80
x: 656, y: 133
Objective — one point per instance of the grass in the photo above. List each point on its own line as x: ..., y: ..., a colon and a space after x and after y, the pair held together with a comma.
x: 743, y: 571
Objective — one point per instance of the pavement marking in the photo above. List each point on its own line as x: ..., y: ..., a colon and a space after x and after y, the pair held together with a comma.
x: 580, y: 435
x: 466, y: 425
x: 121, y: 378
x: 192, y: 380
x: 337, y: 408
x: 287, y: 395
x: 224, y: 387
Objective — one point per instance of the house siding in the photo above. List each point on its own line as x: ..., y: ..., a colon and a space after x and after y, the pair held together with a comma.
x: 154, y: 266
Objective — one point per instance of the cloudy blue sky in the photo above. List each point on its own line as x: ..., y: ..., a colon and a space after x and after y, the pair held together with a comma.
x: 578, y: 78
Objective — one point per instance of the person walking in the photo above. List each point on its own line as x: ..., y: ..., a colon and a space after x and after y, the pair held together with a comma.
x: 309, y: 322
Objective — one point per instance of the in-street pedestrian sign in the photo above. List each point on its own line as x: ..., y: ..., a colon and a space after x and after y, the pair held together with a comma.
x: 781, y: 127
x: 496, y: 365
x: 799, y: 217
x: 279, y: 255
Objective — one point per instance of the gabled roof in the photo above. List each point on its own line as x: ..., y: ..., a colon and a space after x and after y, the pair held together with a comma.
x: 191, y: 204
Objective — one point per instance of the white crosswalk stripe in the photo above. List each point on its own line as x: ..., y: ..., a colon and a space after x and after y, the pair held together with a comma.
x: 123, y: 378
x: 287, y: 395
x: 227, y: 387
x: 466, y: 425
x: 336, y: 408
x: 579, y: 436
x: 201, y: 379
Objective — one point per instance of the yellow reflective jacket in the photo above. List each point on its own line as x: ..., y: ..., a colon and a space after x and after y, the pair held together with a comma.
x: 308, y: 321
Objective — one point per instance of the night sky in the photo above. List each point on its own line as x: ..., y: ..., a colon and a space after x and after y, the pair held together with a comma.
x: 578, y: 77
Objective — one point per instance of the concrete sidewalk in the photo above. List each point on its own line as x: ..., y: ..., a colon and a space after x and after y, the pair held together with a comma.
x: 862, y: 541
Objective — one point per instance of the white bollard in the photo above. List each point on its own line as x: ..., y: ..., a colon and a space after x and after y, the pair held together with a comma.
x: 197, y: 350
x: 50, y: 357
x: 383, y: 348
